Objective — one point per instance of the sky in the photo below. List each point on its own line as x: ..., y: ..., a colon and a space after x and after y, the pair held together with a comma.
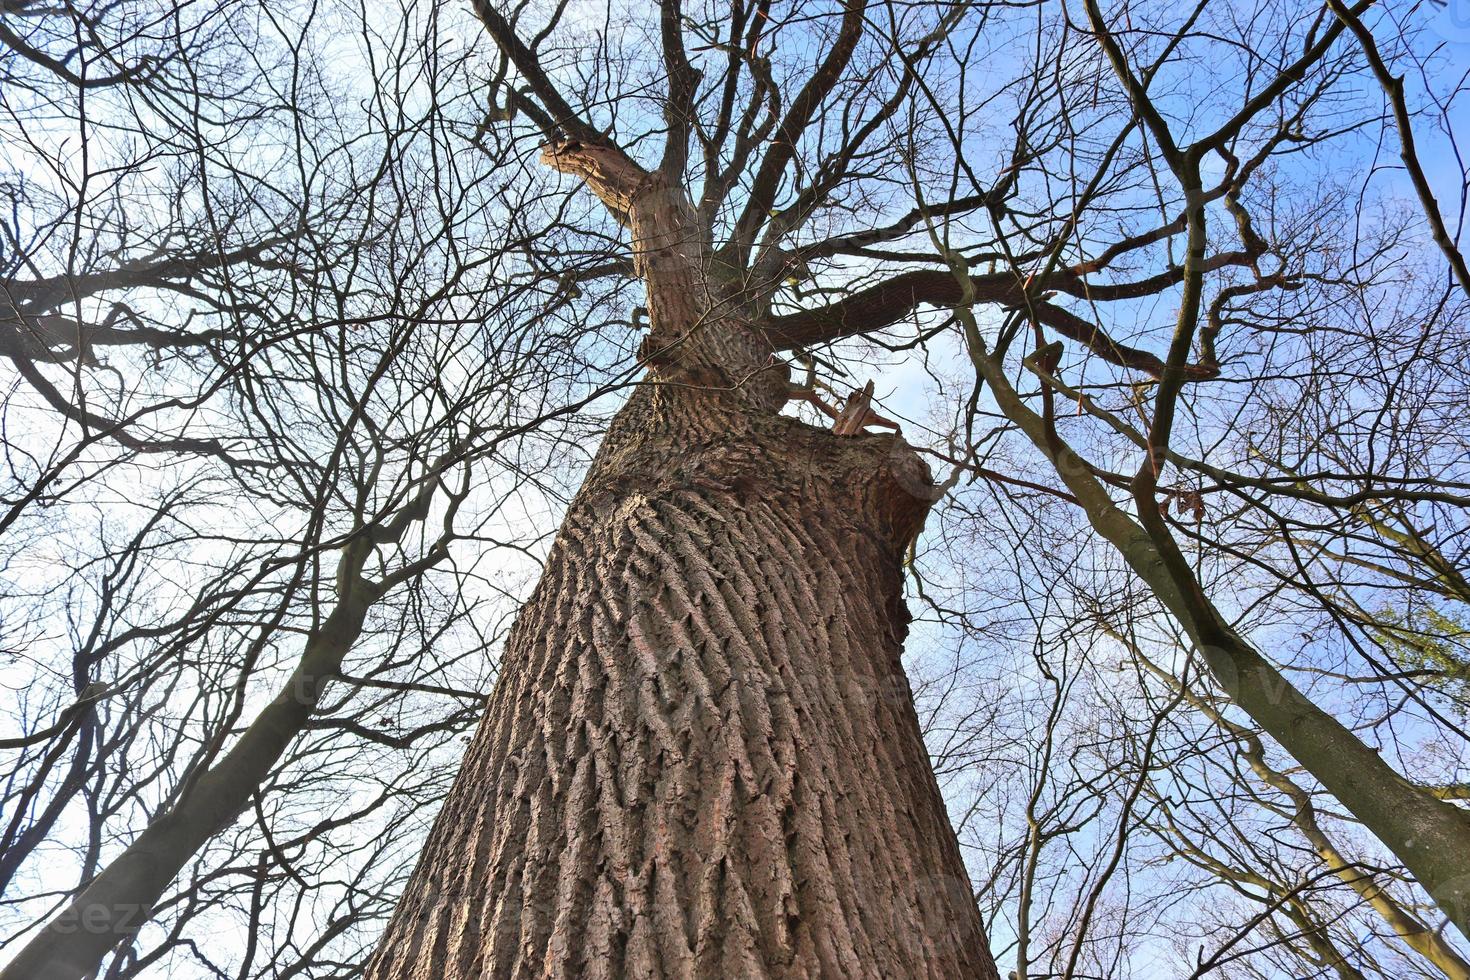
x: 906, y: 388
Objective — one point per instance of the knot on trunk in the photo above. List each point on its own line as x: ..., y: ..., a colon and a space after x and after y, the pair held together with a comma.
x: 899, y: 490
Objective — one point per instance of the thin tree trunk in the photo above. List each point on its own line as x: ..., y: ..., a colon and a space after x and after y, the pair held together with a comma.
x: 1411, y: 931
x: 1431, y: 837
x: 120, y: 899
x: 702, y: 757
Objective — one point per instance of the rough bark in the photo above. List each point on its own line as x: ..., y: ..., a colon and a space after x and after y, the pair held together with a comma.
x: 702, y: 757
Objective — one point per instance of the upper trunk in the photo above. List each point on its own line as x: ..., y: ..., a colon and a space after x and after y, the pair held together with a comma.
x: 702, y: 756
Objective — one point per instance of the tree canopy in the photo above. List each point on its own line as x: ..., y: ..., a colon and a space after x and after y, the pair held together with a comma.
x: 312, y: 316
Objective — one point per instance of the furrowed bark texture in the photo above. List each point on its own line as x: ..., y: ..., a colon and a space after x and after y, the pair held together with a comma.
x: 702, y: 757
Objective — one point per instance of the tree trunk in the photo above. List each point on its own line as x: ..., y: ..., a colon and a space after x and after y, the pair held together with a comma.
x: 702, y: 757
x: 121, y: 898
x: 1431, y: 837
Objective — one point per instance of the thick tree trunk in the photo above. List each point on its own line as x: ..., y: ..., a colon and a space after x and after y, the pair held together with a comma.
x: 702, y: 757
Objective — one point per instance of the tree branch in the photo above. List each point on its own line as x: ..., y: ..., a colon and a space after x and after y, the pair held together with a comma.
x: 893, y: 299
